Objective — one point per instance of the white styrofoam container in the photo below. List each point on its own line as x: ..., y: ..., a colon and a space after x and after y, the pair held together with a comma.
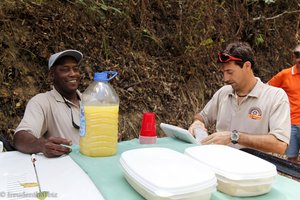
x: 238, y: 173
x: 161, y: 173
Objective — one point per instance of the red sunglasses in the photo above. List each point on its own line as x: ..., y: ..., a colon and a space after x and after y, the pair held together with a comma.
x: 224, y: 57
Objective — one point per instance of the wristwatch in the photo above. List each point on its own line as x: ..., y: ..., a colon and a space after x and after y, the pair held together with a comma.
x: 234, y: 136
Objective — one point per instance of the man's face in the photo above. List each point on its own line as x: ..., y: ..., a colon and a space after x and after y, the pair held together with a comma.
x: 66, y: 75
x: 297, y: 56
x: 233, y: 75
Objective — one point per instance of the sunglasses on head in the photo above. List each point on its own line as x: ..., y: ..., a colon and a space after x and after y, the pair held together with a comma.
x: 224, y: 57
x: 297, y: 54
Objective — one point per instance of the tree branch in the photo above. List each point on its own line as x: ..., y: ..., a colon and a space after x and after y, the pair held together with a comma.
x: 276, y: 16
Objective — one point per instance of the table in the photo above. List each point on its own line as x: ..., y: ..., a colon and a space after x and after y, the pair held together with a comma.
x: 108, y: 177
x: 61, y: 177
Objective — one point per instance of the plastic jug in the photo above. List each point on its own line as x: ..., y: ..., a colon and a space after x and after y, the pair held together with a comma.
x: 99, y: 117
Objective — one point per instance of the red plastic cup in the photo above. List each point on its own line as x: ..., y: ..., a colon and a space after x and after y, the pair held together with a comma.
x: 148, y: 129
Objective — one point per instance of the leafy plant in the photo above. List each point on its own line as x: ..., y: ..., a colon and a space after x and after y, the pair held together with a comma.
x: 259, y: 39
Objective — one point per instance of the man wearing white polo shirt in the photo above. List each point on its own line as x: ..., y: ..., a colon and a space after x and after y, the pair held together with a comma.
x: 246, y: 112
x: 51, y: 119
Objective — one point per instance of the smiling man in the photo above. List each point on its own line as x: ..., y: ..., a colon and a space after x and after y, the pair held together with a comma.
x: 246, y: 112
x: 51, y: 119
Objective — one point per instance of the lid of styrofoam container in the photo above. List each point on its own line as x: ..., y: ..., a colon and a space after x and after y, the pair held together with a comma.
x: 232, y: 163
x: 166, y: 172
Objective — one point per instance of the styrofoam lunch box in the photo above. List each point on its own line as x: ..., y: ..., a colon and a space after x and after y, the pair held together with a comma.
x: 238, y: 173
x: 162, y: 173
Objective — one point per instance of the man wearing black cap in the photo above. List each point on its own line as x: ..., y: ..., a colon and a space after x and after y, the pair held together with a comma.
x: 246, y: 112
x: 51, y: 119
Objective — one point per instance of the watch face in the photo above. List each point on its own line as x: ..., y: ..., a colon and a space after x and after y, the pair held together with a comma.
x: 234, y: 136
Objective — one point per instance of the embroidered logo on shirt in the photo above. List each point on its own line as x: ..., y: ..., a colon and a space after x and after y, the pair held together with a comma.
x: 255, y: 113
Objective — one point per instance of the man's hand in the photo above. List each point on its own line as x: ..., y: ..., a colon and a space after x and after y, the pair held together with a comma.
x: 218, y: 138
x: 196, y: 124
x: 53, y: 147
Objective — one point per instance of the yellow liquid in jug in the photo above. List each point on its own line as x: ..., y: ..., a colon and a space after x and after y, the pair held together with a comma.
x: 101, y: 136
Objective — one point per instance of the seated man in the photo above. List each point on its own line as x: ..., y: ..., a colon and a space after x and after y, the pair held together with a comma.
x: 52, y: 118
x: 246, y: 112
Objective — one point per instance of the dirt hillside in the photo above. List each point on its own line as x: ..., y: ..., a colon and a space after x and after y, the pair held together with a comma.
x: 164, y: 51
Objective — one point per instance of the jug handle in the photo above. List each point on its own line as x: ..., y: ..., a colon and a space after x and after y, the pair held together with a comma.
x: 104, y: 76
x: 113, y: 74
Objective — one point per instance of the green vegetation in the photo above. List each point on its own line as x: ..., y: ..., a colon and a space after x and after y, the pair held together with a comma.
x: 164, y: 51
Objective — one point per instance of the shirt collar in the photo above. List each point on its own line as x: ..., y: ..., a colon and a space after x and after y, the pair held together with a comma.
x: 295, y: 70
x: 255, y: 91
x: 58, y: 97
x: 257, y: 88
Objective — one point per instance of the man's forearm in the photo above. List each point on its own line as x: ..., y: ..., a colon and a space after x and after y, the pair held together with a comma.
x: 267, y: 143
x: 27, y: 143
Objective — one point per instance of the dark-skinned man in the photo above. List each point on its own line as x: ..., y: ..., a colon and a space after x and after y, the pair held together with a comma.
x: 51, y: 119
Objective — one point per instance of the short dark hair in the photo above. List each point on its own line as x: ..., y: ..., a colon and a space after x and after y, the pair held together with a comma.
x: 244, y: 51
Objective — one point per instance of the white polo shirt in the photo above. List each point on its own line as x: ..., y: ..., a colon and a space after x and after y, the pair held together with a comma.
x: 265, y: 110
x: 48, y: 115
